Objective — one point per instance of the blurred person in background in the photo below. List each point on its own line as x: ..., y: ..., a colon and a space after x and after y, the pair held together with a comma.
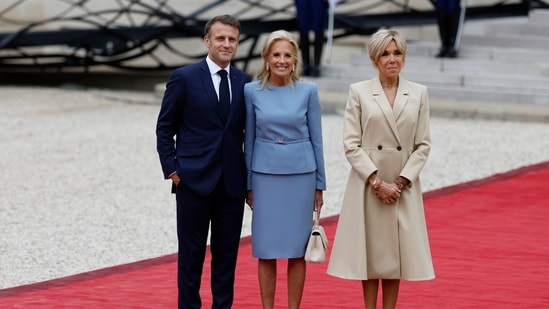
x: 311, y: 17
x: 448, y: 18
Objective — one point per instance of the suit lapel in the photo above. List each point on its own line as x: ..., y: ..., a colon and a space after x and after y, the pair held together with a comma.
x: 209, y: 88
x: 235, y: 93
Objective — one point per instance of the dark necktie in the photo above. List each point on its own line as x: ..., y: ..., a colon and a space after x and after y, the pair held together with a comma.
x: 224, y: 94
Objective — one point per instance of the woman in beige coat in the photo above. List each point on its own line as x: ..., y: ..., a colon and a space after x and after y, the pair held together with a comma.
x: 381, y: 234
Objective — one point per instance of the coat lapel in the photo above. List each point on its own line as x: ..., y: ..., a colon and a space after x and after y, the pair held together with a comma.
x: 383, y: 103
x: 401, y: 98
x: 391, y: 114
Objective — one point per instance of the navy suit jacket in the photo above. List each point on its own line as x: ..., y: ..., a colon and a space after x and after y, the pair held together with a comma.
x: 194, y: 140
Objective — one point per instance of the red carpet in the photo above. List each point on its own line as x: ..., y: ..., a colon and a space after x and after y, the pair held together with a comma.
x: 489, y: 239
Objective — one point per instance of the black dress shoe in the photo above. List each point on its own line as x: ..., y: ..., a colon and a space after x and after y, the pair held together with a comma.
x: 443, y: 52
x: 452, y: 53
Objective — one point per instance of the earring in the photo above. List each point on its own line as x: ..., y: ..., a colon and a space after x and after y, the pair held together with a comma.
x: 293, y: 67
x: 267, y: 66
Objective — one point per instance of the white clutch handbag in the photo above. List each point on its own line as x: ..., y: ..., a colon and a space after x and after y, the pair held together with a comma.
x: 318, y: 243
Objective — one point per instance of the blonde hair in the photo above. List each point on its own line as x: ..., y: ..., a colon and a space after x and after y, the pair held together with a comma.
x: 275, y: 36
x: 381, y: 39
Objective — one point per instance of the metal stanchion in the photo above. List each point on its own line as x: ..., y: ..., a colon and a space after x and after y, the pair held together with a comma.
x: 330, y: 35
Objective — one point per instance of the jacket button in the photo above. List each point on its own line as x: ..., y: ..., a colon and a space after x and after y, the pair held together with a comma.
x: 399, y: 148
x: 280, y: 142
x: 379, y: 147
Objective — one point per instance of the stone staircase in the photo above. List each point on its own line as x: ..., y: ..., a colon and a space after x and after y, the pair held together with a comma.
x: 504, y: 61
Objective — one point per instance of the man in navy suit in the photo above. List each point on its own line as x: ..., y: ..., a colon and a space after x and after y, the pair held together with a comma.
x: 200, y: 148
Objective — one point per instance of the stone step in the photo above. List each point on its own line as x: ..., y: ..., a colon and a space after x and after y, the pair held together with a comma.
x: 479, y: 93
x: 510, y: 40
x: 484, y: 94
x: 482, y: 52
x: 333, y: 78
x: 530, y: 32
x: 501, y: 61
x: 334, y: 102
x: 539, y: 17
x: 531, y: 65
x: 463, y: 85
x: 536, y: 25
x: 528, y: 29
x: 451, y: 73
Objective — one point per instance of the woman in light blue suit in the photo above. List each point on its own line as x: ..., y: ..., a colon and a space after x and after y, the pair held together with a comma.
x: 285, y: 161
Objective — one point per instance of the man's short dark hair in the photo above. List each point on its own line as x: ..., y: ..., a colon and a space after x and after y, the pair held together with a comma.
x: 224, y: 19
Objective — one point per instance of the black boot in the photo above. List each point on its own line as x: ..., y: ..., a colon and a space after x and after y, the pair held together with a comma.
x: 318, y: 45
x: 442, y: 21
x: 305, y: 54
x: 453, y: 26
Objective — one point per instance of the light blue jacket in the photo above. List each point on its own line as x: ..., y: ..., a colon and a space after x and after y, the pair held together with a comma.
x: 284, y: 130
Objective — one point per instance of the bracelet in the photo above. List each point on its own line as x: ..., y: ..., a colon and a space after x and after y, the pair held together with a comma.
x: 378, y: 185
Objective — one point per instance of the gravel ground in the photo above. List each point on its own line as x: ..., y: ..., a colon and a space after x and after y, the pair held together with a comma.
x: 81, y: 186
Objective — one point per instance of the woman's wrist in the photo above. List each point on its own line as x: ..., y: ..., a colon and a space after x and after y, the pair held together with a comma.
x: 401, y: 182
x: 377, y: 183
x: 373, y: 179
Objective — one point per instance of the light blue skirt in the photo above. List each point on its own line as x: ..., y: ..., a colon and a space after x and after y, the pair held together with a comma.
x: 282, y: 215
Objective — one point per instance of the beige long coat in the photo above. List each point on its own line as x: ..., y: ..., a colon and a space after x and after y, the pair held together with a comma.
x: 374, y: 240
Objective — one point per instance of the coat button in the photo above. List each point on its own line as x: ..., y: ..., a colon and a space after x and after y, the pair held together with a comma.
x: 280, y: 142
x: 379, y: 147
x: 399, y: 148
